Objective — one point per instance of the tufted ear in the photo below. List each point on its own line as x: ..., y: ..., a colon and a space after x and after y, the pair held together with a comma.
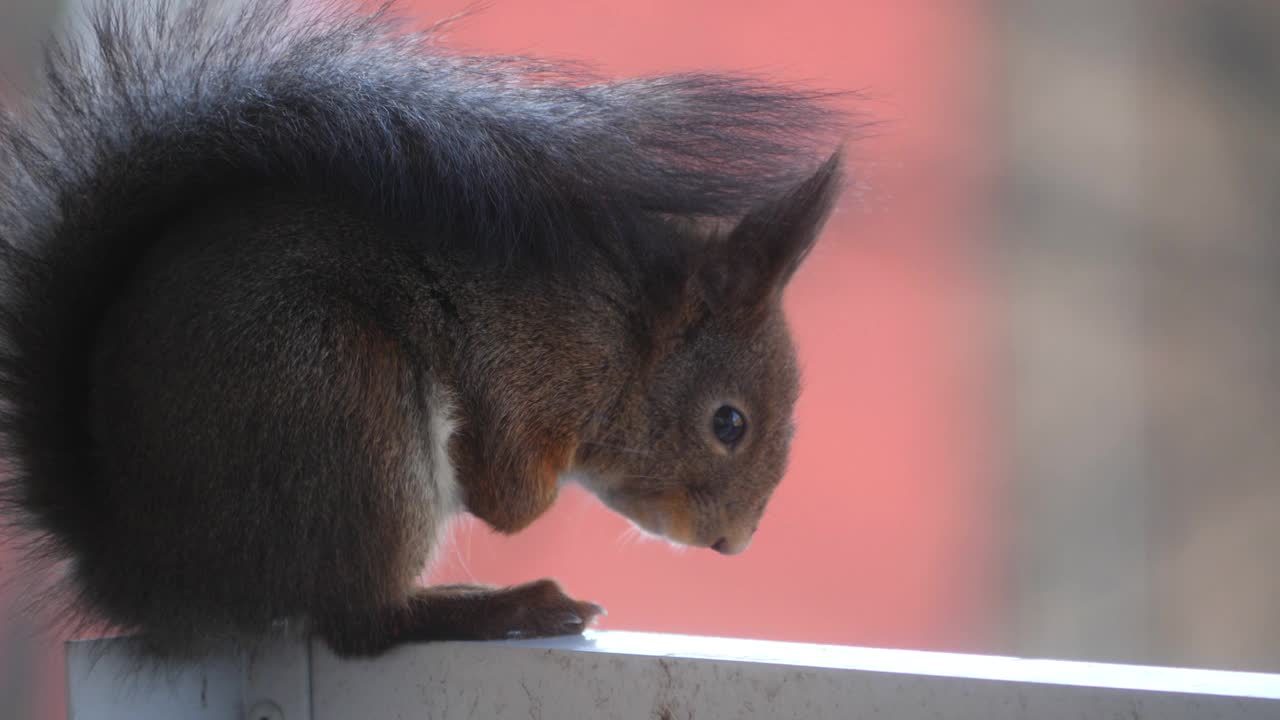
x: 756, y: 260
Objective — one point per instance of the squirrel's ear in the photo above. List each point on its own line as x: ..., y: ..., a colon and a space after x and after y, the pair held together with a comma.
x: 765, y: 248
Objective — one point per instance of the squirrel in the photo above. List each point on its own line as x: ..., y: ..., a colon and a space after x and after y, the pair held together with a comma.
x: 286, y: 287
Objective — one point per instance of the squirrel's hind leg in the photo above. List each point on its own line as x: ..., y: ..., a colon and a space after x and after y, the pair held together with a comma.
x: 459, y: 612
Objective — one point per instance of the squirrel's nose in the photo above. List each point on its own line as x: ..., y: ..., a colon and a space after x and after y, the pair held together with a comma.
x: 725, y: 547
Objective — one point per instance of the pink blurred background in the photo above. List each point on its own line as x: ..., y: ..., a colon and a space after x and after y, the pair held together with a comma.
x: 881, y: 533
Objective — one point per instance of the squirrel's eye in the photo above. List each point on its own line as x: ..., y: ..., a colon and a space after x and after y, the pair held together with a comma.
x: 728, y: 424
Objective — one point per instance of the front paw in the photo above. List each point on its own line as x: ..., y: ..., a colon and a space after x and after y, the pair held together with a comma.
x: 539, y: 609
x: 459, y: 612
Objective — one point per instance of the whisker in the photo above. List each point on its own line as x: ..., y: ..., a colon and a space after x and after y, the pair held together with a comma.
x: 631, y: 536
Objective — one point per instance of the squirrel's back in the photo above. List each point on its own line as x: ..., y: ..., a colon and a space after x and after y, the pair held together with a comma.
x: 261, y: 425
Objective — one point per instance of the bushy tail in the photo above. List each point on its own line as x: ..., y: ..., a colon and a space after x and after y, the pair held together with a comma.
x: 160, y: 106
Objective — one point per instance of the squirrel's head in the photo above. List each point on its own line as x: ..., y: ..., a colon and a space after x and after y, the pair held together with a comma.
x: 697, y: 445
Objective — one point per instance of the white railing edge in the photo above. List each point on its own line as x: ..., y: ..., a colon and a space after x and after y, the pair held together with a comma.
x: 720, y: 677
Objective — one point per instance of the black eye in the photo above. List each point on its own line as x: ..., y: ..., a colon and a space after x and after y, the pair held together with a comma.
x: 728, y: 424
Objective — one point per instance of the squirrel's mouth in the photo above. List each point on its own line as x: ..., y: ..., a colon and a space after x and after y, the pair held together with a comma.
x: 662, y: 517
x: 671, y: 521
x: 667, y: 516
x: 677, y: 529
